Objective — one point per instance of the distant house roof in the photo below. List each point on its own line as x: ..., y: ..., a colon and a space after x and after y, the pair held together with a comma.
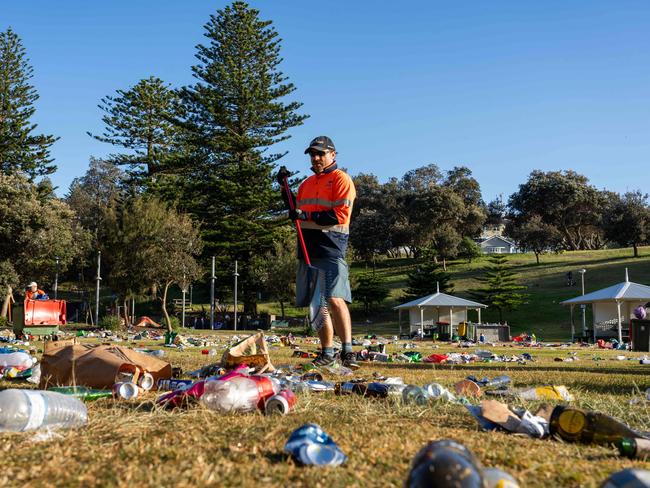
x: 440, y: 300
x: 492, y: 240
x: 626, y: 291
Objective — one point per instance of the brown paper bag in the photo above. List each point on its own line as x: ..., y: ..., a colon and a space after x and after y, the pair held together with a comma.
x: 95, y: 366
x: 252, y: 351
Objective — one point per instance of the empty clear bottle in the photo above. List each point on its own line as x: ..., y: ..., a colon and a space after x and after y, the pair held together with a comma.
x: 22, y: 410
x: 413, y: 394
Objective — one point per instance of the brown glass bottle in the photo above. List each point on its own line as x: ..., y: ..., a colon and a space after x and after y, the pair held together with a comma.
x: 577, y: 425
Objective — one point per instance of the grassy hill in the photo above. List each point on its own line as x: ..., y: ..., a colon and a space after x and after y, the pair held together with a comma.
x: 545, y: 283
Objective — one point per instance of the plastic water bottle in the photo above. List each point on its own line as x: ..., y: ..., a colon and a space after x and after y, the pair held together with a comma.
x: 17, y: 359
x: 415, y: 395
x: 22, y: 410
x: 239, y: 394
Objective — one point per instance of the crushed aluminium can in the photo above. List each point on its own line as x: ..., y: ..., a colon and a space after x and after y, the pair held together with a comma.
x: 171, y: 385
x: 311, y: 445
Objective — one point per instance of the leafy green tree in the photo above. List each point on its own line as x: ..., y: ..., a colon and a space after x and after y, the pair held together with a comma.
x: 21, y: 151
x: 148, y: 244
x: 91, y: 195
x: 35, y: 229
x: 627, y: 222
x: 500, y: 289
x: 469, y: 249
x: 446, y: 240
x: 236, y: 111
x: 535, y: 235
x: 496, y: 212
x: 426, y: 277
x: 277, y: 270
x: 565, y: 200
x: 141, y: 121
x: 371, y: 290
x: 460, y: 181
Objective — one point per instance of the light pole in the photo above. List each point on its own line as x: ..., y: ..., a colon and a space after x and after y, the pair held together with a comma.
x: 184, y: 290
x: 56, y: 279
x: 99, y: 279
x: 212, y: 278
x: 584, y: 306
x: 236, y: 275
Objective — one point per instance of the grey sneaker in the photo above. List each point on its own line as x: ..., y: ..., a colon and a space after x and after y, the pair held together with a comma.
x: 350, y: 360
x: 322, y: 361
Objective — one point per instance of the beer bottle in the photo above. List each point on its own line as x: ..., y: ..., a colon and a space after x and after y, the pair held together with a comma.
x: 577, y: 425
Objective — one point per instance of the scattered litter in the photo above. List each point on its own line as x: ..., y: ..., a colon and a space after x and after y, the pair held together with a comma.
x: 310, y: 445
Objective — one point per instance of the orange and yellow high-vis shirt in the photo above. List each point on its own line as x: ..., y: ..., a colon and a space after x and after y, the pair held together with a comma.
x: 327, y: 198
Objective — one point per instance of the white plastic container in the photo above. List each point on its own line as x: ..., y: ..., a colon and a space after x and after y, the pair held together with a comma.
x: 17, y: 359
x: 238, y: 394
x: 22, y: 410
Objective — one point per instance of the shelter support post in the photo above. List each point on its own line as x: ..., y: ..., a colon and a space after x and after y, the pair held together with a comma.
x: 422, y: 320
x: 399, y: 321
x: 620, y: 328
x: 573, y: 326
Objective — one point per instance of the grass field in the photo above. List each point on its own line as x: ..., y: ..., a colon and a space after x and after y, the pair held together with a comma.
x: 136, y: 444
x: 545, y: 284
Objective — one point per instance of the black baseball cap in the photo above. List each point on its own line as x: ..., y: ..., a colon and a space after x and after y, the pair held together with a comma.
x: 321, y: 143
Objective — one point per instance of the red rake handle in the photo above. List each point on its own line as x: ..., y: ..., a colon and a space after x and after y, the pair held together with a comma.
x: 298, y: 229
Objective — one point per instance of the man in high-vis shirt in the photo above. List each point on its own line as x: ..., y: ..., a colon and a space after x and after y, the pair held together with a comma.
x: 323, y: 210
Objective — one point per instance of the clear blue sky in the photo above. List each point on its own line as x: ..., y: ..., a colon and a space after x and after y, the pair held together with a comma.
x: 501, y: 87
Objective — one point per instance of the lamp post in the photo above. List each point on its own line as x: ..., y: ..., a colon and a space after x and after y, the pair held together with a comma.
x: 236, y: 275
x: 212, y: 278
x: 584, y: 306
x: 56, y: 279
x: 184, y: 291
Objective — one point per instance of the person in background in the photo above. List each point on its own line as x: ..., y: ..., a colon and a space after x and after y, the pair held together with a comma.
x: 33, y: 292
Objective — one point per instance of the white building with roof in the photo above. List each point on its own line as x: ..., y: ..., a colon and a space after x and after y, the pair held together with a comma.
x: 612, y: 307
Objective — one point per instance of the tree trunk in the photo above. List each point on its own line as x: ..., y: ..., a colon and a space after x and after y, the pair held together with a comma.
x: 127, y: 322
x: 537, y: 257
x: 444, y: 264
x: 636, y: 250
x: 7, y: 302
x: 282, y: 308
x: 164, y: 307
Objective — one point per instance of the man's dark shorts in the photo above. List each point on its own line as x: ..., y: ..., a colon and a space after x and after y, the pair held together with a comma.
x: 336, y: 278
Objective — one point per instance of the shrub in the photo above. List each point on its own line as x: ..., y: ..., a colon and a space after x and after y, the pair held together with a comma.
x: 4, y: 322
x: 110, y: 322
x: 175, y: 321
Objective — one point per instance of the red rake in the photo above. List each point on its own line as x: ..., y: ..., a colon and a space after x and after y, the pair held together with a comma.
x: 318, y: 312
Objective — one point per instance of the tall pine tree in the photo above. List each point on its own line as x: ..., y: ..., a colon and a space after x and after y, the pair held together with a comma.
x: 235, y: 112
x: 21, y: 151
x: 500, y: 289
x: 141, y: 121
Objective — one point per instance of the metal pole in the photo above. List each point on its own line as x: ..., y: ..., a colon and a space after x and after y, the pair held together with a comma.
x: 212, y: 278
x: 584, y: 306
x: 184, y: 289
x: 236, y: 275
x: 133, y: 310
x: 99, y: 279
x: 56, y: 280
